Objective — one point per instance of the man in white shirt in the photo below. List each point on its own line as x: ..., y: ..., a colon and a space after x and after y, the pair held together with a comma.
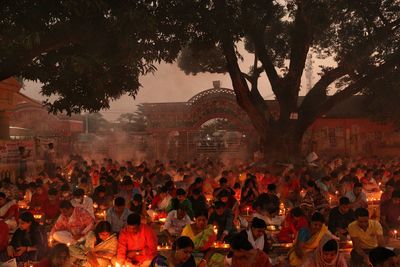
x: 176, y: 220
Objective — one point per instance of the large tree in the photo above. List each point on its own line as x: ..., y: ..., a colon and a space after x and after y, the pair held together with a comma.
x: 361, y: 37
x: 86, y: 52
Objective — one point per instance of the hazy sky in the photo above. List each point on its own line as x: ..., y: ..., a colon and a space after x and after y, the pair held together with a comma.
x: 168, y: 84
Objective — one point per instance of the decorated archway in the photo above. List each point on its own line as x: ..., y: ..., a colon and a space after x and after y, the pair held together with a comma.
x: 176, y: 128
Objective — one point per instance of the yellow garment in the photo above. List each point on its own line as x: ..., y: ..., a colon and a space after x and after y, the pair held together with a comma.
x: 368, y: 238
x: 308, y: 247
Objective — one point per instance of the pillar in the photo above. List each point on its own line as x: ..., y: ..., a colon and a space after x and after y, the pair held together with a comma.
x: 4, y: 125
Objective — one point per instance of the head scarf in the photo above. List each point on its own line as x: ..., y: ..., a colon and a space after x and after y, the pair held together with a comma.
x: 319, y: 256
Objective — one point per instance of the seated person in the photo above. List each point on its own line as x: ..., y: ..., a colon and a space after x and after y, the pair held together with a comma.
x: 244, y: 255
x: 256, y: 235
x: 137, y: 243
x: 201, y: 233
x: 148, y: 193
x: 51, y: 208
x: 293, y: 222
x: 340, y: 217
x: 230, y: 201
x: 161, y: 200
x: 387, y: 194
x: 357, y: 197
x: 85, y: 185
x: 181, y: 256
x: 369, y: 182
x: 73, y: 224
x: 183, y: 201
x: 198, y: 201
x: 390, y: 212
x: 39, y: 197
x: 366, y: 235
x: 383, y: 257
x: 223, y: 219
x: 58, y: 256
x: 100, y: 197
x: 223, y: 185
x: 308, y: 239
x: 8, y: 211
x: 326, y: 255
x: 118, y: 214
x: 28, y: 243
x: 176, y: 220
x: 249, y: 191
x: 79, y: 199
x: 137, y: 206
x: 99, y: 248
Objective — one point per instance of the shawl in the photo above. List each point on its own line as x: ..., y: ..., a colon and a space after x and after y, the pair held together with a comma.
x: 309, y: 246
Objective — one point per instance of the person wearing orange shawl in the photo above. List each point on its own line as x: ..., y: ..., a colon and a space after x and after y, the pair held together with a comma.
x: 307, y: 240
x: 326, y: 255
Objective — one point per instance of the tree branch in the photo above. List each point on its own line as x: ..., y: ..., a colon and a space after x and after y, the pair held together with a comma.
x: 358, y: 85
x: 300, y: 44
x: 51, y: 41
x: 318, y: 92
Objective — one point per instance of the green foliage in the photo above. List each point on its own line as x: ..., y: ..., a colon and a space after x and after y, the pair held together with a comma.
x: 133, y: 122
x: 95, y: 122
x: 86, y: 52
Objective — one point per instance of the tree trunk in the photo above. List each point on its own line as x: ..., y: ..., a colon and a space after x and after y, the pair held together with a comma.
x: 282, y: 142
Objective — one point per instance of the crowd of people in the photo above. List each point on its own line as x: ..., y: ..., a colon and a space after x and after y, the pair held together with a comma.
x: 336, y: 212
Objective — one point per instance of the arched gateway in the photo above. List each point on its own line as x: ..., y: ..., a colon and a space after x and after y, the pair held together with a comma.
x: 176, y: 127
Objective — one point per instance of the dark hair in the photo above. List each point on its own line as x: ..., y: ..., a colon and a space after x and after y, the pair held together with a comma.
x: 102, y: 226
x: 2, y: 195
x: 27, y: 217
x: 182, y: 242
x: 198, y: 180
x: 271, y: 187
x: 358, y: 184
x: 317, y: 217
x: 79, y: 192
x: 202, y: 213
x: 196, y: 191
x: 361, y: 212
x: 344, y: 201
x: 133, y: 219
x: 119, y: 201
x: 180, y: 192
x: 238, y: 241
x: 84, y: 180
x: 53, y: 192
x: 101, y: 189
x: 258, y: 223
x: 64, y: 187
x: 223, y: 180
x: 219, y: 205
x: 296, y: 212
x: 127, y: 181
x: 138, y: 198
x: 379, y: 255
x: 313, y: 184
x: 331, y: 245
x: 396, y: 194
x: 66, y: 204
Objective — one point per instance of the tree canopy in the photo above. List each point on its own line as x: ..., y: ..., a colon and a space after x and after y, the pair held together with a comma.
x: 86, y: 53
x: 361, y: 37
